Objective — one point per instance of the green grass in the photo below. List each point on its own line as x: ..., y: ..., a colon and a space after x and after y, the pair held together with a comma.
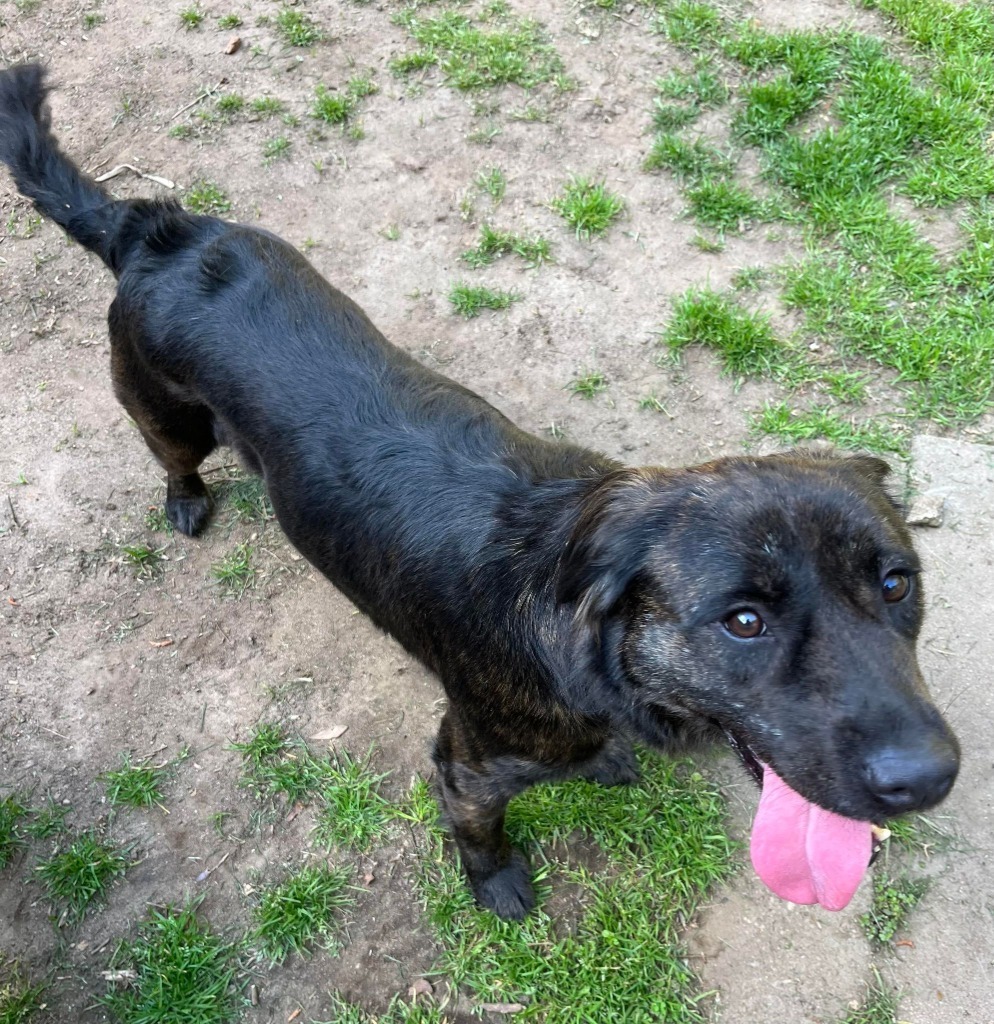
x: 230, y: 103
x: 879, y: 1007
x: 495, y: 243
x: 722, y: 204
x: 302, y: 912
x: 228, y: 21
x: 689, y: 161
x: 296, y: 28
x: 191, y: 17
x: 470, y: 300
x: 207, y: 198
x: 19, y: 999
x: 398, y: 1012
x: 267, y: 106
x: 493, y: 181
x: 587, y: 206
x: 893, y: 901
x: 664, y: 844
x: 332, y: 108
x: 246, y: 497
x: 276, y: 149
x: 690, y: 25
x: 80, y: 873
x: 184, y: 973
x: 472, y: 58
x: 12, y: 812
x: 235, y: 572
x: 351, y: 813
x: 588, y: 384
x: 780, y: 420
x: 744, y: 340
x: 138, y: 785
x: 145, y: 561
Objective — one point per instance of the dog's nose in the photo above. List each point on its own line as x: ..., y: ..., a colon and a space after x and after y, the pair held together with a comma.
x: 911, y: 779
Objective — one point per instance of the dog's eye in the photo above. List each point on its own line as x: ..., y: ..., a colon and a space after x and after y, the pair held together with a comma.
x: 745, y: 624
x: 896, y: 586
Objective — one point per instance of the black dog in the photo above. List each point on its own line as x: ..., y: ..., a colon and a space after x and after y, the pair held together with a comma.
x: 568, y: 604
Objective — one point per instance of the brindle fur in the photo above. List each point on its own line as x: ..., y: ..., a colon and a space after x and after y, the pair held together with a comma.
x: 569, y: 605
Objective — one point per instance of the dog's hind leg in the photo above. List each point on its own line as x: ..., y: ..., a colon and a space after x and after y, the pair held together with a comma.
x: 615, y: 764
x: 179, y: 434
x: 473, y: 802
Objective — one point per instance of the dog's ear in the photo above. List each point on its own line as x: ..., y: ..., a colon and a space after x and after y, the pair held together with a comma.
x: 609, y: 544
x: 869, y: 467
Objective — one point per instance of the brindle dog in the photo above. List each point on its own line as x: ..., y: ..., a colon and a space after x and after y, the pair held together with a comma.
x: 568, y: 604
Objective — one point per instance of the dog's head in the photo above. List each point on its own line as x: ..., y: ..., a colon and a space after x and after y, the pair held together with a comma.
x: 780, y: 599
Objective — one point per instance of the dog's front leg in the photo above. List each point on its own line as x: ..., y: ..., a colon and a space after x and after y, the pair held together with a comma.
x: 474, y: 800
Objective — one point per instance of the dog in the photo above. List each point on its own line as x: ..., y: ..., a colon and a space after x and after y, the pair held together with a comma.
x: 570, y: 605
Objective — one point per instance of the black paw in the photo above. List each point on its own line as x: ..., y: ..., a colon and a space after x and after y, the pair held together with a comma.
x: 188, y: 504
x: 508, y: 892
x: 616, y: 765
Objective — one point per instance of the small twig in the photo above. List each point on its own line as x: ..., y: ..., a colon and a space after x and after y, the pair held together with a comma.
x: 204, y: 93
x: 54, y: 733
x: 13, y: 514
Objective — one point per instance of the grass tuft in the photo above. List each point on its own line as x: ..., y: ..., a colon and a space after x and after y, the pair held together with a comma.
x: 207, y: 198
x: 191, y: 17
x: 296, y: 28
x: 588, y: 207
x: 235, y: 572
x: 12, y: 811
x: 302, y: 912
x: 470, y: 300
x: 780, y: 420
x: 352, y: 812
x: 183, y: 973
x: 588, y: 384
x: 494, y: 243
x: 19, y: 999
x: 81, y: 873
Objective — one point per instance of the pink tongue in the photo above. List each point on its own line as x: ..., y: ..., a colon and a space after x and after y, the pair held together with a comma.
x: 806, y: 854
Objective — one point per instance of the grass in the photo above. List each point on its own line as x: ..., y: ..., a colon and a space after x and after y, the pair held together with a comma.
x: 493, y: 181
x: 495, y: 243
x: 138, y: 785
x: 744, y: 340
x: 145, y: 561
x: 879, y: 1007
x: 664, y: 845
x: 81, y: 873
x: 780, y: 420
x: 302, y: 912
x: 230, y: 103
x: 267, y: 106
x: 229, y: 21
x: 473, y: 58
x: 47, y: 821
x: 588, y: 384
x: 235, y: 572
x: 470, y: 300
x: 276, y: 149
x: 183, y: 972
x: 332, y: 108
x: 352, y: 812
x: 191, y: 17
x: 207, y: 198
x: 296, y: 28
x: 893, y: 901
x: 12, y: 812
x: 397, y: 1012
x: 588, y: 207
x: 870, y: 284
x: 247, y: 498
x: 19, y: 999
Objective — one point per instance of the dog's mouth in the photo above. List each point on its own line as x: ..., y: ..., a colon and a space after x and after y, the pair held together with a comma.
x: 803, y: 853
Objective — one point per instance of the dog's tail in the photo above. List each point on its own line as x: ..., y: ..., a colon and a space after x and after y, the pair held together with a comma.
x: 56, y: 186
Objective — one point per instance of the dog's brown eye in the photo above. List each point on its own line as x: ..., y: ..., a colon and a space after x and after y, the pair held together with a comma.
x: 895, y: 586
x: 745, y: 624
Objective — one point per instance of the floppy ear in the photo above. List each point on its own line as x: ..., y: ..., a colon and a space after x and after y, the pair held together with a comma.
x: 609, y: 544
x: 869, y: 467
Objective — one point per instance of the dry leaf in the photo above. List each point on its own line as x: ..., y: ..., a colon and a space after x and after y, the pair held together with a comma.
x: 503, y: 1007
x: 331, y: 734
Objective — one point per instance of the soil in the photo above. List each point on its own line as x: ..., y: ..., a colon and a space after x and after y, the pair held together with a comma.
x: 97, y: 661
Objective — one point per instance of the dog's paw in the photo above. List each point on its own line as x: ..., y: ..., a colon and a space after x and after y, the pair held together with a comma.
x: 188, y: 504
x: 508, y: 892
x: 615, y: 766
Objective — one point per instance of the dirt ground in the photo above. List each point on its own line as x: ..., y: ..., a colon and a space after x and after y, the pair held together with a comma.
x: 87, y: 672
